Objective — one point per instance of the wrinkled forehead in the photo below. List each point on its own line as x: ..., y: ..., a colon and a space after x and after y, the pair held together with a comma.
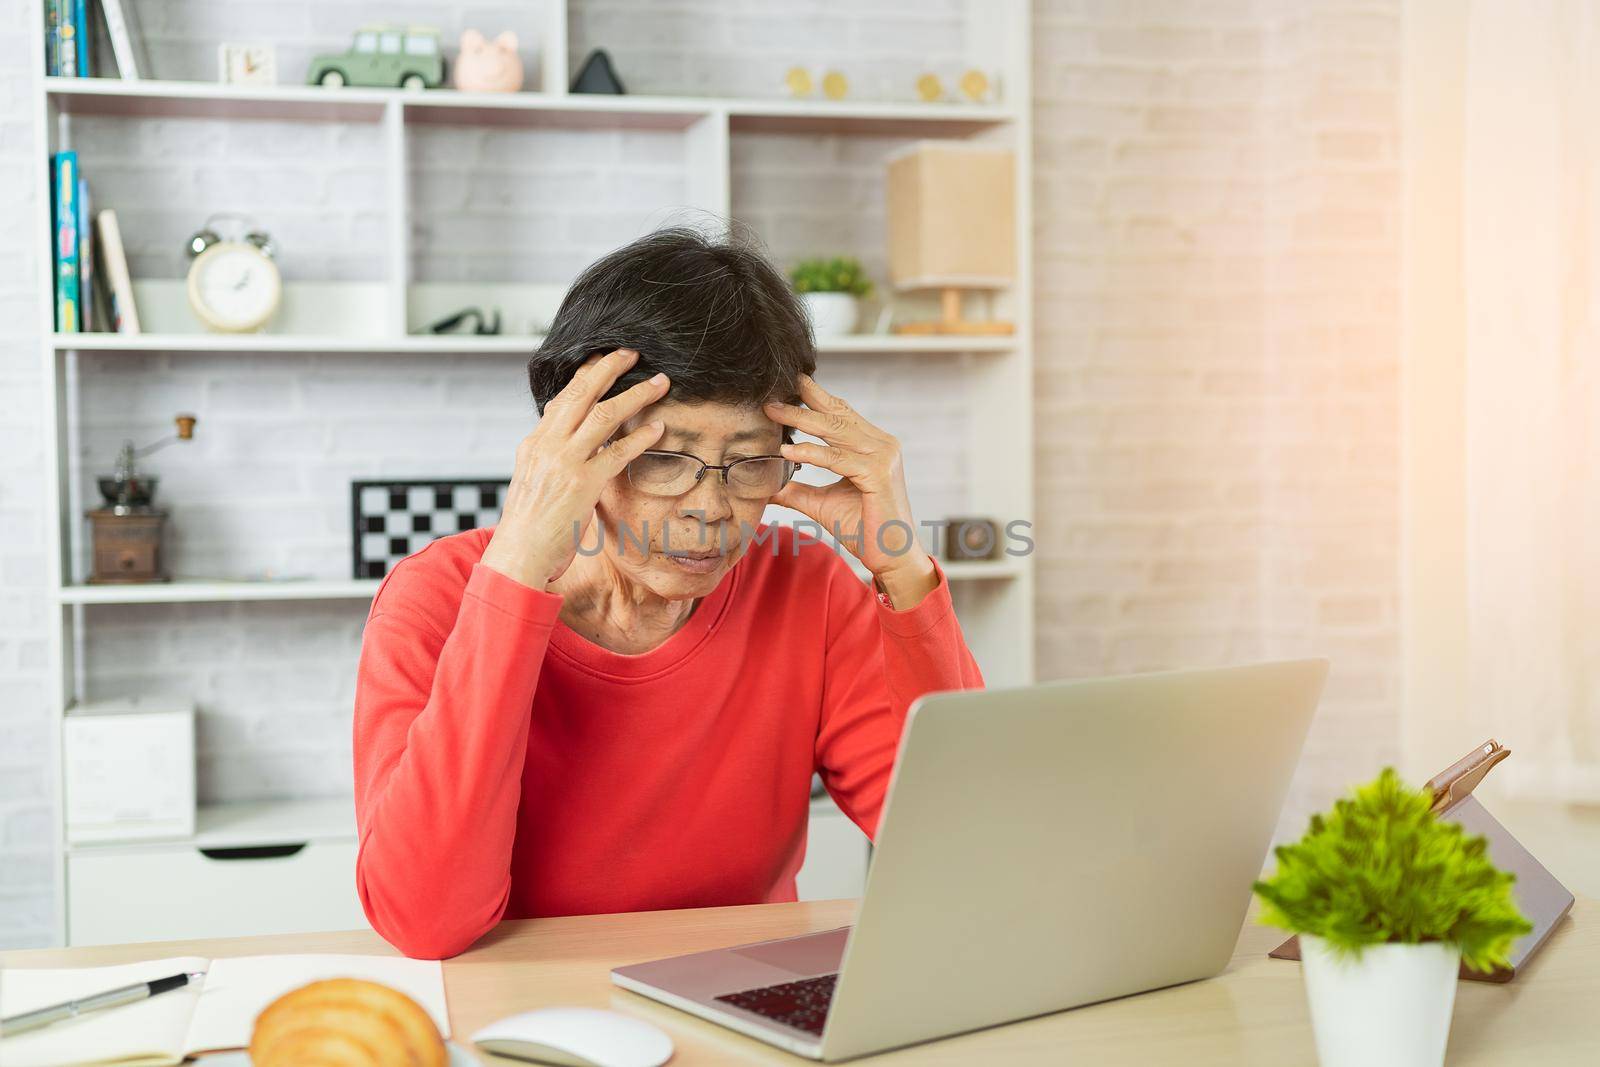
x: 708, y: 424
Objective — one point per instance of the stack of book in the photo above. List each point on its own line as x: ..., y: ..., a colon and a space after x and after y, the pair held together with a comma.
x: 69, y: 35
x: 93, y: 289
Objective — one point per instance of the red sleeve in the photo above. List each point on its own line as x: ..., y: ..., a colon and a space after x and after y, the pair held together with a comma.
x: 878, y: 661
x: 440, y: 735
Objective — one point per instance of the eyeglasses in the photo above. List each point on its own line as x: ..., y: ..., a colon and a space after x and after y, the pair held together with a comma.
x: 662, y: 473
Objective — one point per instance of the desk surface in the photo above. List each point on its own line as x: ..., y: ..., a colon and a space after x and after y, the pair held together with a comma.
x: 1253, y: 1013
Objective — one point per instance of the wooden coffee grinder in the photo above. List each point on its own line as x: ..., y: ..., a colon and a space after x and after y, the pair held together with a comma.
x: 127, y: 527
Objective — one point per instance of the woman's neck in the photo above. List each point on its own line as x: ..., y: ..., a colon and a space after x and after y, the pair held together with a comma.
x: 605, y: 607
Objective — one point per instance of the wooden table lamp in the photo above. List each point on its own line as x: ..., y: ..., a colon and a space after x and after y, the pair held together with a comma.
x: 952, y: 227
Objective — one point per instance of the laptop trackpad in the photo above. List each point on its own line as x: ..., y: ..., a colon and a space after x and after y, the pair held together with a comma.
x: 813, y: 954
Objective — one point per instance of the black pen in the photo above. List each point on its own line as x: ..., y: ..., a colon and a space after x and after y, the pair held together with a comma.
x: 32, y: 1020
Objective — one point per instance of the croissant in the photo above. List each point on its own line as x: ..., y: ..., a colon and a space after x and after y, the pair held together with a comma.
x: 345, y: 1022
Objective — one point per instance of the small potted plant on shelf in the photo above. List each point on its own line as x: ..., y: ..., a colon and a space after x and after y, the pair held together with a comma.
x: 831, y: 289
x: 1389, y: 902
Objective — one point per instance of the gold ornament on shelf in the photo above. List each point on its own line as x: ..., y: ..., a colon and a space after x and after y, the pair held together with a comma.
x: 835, y: 85
x: 975, y: 84
x: 947, y: 85
x: 798, y: 82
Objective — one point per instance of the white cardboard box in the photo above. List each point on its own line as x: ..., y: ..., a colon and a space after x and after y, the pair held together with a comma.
x: 129, y: 770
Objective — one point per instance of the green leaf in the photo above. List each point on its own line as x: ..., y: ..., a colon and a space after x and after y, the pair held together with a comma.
x: 1381, y: 867
x: 840, y: 274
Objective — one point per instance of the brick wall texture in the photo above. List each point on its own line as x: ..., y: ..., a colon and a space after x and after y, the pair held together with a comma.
x: 1216, y: 263
x: 1217, y: 256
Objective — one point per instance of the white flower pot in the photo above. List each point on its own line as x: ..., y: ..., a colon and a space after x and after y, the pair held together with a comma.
x: 1388, y: 1008
x: 831, y: 314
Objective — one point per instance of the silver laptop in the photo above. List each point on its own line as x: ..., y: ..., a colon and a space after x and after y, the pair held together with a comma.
x: 1040, y: 848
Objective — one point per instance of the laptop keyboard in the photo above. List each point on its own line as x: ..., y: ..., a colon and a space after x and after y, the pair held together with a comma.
x: 802, y: 1005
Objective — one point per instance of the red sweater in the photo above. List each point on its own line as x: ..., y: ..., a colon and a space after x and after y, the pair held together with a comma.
x: 506, y: 767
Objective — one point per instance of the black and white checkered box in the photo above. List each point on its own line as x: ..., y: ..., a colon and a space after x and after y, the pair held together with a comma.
x: 391, y: 519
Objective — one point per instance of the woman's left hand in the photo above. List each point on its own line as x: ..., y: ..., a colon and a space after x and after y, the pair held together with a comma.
x: 868, y: 509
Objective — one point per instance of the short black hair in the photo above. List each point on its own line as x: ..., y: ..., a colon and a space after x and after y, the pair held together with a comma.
x: 713, y: 313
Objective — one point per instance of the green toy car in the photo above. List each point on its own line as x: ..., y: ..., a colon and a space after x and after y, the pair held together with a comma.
x: 383, y: 56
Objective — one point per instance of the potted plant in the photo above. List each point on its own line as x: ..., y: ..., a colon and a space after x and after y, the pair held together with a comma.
x: 1389, y: 902
x: 830, y: 289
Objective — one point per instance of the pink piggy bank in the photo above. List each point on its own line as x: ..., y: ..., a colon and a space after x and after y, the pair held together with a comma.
x: 488, y: 66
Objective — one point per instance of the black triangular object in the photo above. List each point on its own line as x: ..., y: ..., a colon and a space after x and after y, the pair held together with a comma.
x: 597, y: 75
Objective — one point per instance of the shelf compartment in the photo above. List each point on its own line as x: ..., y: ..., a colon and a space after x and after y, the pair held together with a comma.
x: 881, y: 119
x: 208, y: 100
x: 255, y: 823
x: 247, y: 823
x: 1004, y: 569
x: 872, y: 343
x: 185, y: 99
x: 188, y: 590
x: 416, y: 344
x: 465, y: 344
x: 566, y: 111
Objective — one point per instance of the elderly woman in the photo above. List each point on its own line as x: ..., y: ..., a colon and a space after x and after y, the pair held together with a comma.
x: 615, y: 698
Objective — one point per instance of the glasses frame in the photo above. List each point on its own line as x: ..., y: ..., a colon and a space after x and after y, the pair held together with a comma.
x: 704, y: 466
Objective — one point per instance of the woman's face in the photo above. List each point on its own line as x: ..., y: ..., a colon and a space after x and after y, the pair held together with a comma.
x: 690, y: 541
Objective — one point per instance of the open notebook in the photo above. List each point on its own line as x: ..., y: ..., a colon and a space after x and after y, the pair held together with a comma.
x: 218, y: 1014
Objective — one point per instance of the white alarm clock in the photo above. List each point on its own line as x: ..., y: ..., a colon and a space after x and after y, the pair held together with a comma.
x: 247, y: 64
x: 234, y: 285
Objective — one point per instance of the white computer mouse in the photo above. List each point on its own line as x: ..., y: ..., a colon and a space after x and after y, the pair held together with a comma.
x: 577, y: 1037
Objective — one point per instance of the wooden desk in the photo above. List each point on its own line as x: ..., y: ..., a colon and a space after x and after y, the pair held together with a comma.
x: 1254, y: 1013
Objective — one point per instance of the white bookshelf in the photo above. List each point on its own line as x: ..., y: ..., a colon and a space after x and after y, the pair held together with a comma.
x: 188, y: 590
x: 994, y: 598
x: 469, y: 345
x: 245, y: 823
x: 193, y: 590
x: 169, y: 99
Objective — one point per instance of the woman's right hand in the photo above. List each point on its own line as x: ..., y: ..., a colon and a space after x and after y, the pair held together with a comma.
x: 562, y: 468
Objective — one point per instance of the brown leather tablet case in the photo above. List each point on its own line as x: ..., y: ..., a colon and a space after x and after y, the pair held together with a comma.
x: 1543, y: 900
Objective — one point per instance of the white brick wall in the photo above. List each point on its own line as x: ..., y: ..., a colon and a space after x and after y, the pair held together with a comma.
x: 26, y: 820
x: 1217, y: 363
x: 1216, y: 254
x: 707, y: 47
x: 164, y: 176
x: 182, y: 35
x: 507, y: 205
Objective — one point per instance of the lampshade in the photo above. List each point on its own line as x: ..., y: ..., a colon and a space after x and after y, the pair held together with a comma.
x: 951, y: 207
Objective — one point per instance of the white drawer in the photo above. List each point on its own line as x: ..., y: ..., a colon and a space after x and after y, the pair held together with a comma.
x: 161, y: 894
